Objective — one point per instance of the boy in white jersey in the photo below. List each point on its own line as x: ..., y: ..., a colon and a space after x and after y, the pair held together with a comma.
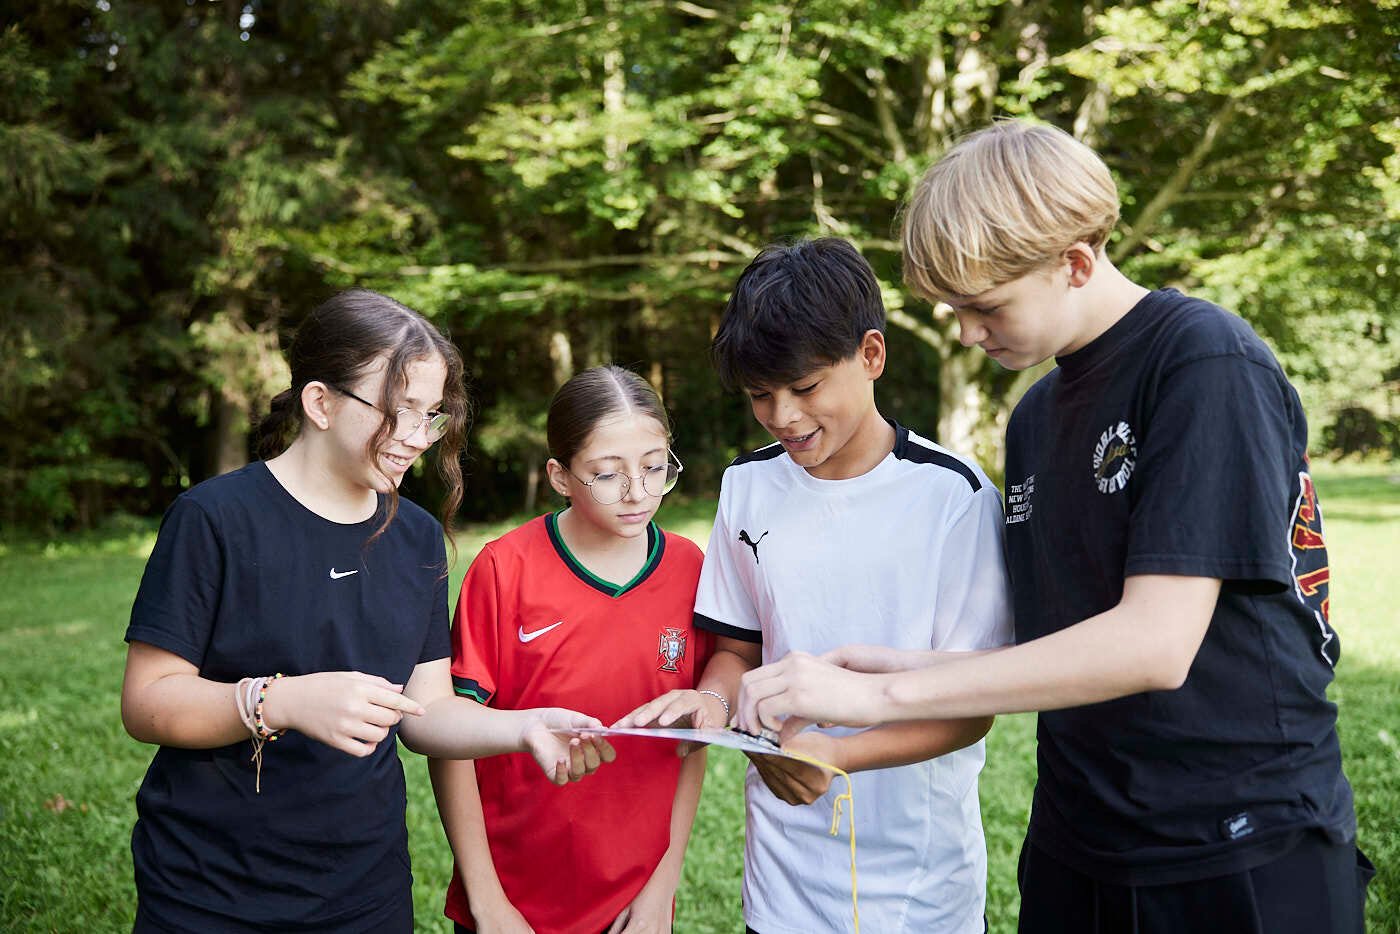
x: 849, y: 528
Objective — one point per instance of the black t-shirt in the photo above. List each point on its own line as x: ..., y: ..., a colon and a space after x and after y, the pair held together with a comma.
x: 245, y: 581
x: 1173, y: 444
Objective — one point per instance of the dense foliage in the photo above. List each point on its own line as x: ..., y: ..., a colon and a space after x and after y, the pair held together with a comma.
x: 564, y: 183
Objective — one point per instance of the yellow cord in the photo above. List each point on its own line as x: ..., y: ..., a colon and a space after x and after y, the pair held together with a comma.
x: 849, y: 800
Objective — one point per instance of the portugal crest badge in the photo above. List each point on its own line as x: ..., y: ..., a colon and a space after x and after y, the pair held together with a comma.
x: 671, y: 649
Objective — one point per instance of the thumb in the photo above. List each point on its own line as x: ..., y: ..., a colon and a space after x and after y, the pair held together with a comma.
x: 791, y: 727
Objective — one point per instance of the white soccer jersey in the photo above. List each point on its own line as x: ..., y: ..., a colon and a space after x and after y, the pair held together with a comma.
x: 906, y: 555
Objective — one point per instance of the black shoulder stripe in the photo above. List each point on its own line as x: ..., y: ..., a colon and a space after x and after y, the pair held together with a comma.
x: 724, y: 629
x: 762, y: 454
x: 916, y: 453
x: 469, y: 687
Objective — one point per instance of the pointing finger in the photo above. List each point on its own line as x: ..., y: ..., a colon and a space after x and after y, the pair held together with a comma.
x: 399, y: 702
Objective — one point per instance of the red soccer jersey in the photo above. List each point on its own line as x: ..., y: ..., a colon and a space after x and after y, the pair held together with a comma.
x: 534, y: 628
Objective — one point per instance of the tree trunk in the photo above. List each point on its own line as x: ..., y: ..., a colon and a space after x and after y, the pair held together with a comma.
x: 561, y: 356
x: 230, y: 440
x: 962, y: 402
x: 532, y: 489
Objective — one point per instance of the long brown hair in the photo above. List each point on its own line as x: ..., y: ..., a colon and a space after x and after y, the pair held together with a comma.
x: 337, y: 343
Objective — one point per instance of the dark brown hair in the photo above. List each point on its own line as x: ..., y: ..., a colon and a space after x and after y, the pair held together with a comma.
x: 798, y: 306
x: 589, y: 397
x: 337, y: 343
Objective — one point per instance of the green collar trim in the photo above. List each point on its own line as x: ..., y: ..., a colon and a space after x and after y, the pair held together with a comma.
x: 656, y: 546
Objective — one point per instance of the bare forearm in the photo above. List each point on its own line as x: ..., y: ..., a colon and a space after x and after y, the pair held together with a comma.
x: 459, y: 807
x: 1111, y: 655
x: 183, y: 710
x: 727, y: 666
x: 898, y: 744
x: 687, y: 800
x: 458, y: 728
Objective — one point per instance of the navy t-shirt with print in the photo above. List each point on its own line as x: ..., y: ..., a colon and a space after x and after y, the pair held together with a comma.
x: 1173, y: 444
x: 245, y: 581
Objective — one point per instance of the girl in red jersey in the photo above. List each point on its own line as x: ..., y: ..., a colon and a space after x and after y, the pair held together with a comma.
x: 588, y: 607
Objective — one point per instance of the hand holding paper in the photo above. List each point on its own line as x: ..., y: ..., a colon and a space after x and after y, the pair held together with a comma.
x: 680, y: 708
x: 799, y: 780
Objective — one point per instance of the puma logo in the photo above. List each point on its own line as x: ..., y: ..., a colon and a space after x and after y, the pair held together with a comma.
x: 744, y: 537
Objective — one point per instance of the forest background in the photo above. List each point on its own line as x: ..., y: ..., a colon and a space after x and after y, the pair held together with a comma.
x: 559, y: 184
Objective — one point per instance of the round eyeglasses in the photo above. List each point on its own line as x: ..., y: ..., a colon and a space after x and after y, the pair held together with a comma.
x: 407, y: 421
x: 609, y: 488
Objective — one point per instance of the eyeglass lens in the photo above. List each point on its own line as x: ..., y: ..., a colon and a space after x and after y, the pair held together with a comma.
x: 611, y: 488
x: 406, y: 422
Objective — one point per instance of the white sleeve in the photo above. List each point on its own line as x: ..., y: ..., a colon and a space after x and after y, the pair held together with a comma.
x: 724, y: 601
x: 974, y: 591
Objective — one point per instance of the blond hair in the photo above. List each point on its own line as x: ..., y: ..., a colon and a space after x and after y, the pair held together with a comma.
x: 1003, y: 202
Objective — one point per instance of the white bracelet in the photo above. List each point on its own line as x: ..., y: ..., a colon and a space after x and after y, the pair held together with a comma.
x: 719, y: 697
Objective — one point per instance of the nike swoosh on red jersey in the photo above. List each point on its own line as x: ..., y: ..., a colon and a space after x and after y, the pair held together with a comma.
x: 528, y: 636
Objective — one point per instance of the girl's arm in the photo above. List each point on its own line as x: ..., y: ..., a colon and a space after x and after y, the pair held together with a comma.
x: 459, y: 806
x: 652, y: 909
x: 457, y: 728
x: 687, y: 706
x: 165, y: 701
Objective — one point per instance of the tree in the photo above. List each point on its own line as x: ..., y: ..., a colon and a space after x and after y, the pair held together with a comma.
x: 637, y: 155
x: 560, y: 184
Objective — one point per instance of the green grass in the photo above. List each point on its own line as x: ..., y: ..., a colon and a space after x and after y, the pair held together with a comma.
x: 64, y: 606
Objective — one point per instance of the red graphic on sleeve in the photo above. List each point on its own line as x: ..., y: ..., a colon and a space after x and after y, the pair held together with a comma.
x: 1312, y: 574
x: 1307, y: 526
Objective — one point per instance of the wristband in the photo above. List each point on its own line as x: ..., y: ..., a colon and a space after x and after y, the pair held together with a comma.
x: 248, y: 696
x: 719, y: 697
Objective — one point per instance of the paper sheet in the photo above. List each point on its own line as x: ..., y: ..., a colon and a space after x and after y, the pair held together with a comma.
x: 731, y: 739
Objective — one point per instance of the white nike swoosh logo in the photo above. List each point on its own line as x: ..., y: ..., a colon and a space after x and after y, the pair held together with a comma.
x: 528, y: 636
x: 337, y: 575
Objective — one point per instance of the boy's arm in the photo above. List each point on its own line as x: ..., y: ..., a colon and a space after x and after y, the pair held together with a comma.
x: 1146, y: 642
x: 798, y: 782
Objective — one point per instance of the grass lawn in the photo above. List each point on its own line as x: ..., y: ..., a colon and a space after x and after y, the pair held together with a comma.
x: 68, y: 772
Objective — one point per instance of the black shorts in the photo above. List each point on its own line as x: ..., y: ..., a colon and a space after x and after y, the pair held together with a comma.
x: 1317, y: 887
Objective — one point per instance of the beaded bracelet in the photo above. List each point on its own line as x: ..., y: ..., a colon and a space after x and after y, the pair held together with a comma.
x: 249, y: 695
x: 719, y: 697
x: 259, y: 726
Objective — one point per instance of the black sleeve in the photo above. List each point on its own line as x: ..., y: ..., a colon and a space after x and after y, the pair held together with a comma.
x: 178, y: 599
x: 1214, y: 473
x: 437, y: 643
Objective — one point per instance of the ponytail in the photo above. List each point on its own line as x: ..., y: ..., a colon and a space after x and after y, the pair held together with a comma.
x: 274, y: 427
